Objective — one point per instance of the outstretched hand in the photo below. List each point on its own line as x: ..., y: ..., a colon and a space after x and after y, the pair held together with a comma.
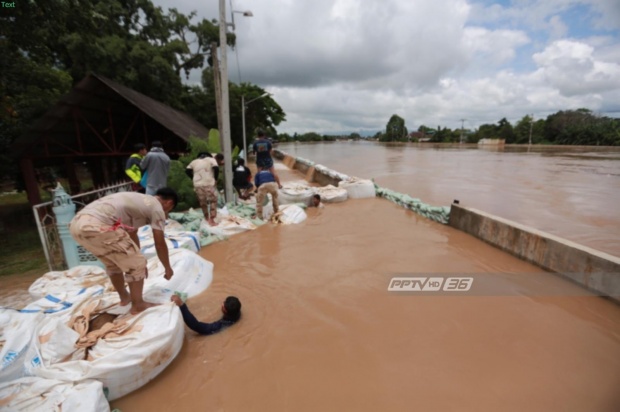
x: 169, y: 273
x: 177, y: 300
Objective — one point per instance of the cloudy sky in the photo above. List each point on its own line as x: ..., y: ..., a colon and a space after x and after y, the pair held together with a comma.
x: 347, y: 65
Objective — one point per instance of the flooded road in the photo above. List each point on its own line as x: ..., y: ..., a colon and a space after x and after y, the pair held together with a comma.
x: 320, y: 331
x: 572, y: 192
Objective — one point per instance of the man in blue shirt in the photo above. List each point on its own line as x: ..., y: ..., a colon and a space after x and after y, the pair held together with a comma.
x: 231, y: 309
x: 263, y: 148
x: 265, y: 183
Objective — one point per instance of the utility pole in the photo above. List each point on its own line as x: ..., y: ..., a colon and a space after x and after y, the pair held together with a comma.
x: 462, y: 126
x: 218, y: 91
x: 225, y: 132
x: 531, y: 127
x: 245, y: 146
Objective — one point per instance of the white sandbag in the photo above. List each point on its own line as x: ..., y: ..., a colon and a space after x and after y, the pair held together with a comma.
x: 175, y: 239
x: 290, y: 194
x: 192, y: 273
x: 331, y: 173
x: 37, y: 394
x: 144, y: 344
x: 74, y: 279
x: 17, y: 332
x: 358, y: 188
x: 227, y: 225
x: 288, y: 214
x: 61, y: 300
x: 280, y: 166
x: 331, y: 194
x: 291, y: 214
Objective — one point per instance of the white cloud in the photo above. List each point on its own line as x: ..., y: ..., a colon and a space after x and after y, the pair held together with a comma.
x: 571, y: 68
x: 348, y: 65
x: 493, y: 46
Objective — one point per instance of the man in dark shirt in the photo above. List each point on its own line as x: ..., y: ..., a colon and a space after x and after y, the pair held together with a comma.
x: 263, y: 148
x: 242, y: 179
x: 231, y: 308
x: 265, y: 183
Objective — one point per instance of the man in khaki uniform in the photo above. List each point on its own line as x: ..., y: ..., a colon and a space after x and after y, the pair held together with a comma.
x: 204, y: 172
x: 108, y: 228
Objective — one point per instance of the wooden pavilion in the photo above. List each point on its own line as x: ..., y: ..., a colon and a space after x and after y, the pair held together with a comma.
x: 97, y: 125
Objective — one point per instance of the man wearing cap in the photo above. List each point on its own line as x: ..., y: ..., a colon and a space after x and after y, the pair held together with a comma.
x: 156, y: 164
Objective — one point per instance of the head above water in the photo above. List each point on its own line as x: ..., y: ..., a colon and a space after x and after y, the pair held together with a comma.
x: 231, y: 308
x: 316, y: 200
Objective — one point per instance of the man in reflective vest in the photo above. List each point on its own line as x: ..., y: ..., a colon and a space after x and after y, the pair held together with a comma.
x: 132, y: 167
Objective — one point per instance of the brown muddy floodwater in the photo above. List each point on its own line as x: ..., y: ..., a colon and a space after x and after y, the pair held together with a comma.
x: 572, y: 192
x: 320, y: 331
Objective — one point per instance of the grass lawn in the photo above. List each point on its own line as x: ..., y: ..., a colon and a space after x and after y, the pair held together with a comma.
x: 20, y: 246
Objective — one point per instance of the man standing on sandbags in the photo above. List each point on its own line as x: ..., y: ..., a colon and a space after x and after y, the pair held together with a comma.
x: 265, y: 183
x: 263, y: 150
x: 108, y: 228
x: 204, y: 172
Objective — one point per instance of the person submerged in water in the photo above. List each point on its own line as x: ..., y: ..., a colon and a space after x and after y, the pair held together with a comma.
x: 231, y: 308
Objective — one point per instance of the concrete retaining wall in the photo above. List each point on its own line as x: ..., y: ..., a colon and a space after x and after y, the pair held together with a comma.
x: 315, y: 176
x: 597, y: 271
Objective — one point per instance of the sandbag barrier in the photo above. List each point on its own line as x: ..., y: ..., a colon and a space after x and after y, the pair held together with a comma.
x: 192, y: 221
x: 50, y: 359
x: 439, y: 214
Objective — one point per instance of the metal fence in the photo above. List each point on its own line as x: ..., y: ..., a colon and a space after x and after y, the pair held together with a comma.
x: 48, y: 230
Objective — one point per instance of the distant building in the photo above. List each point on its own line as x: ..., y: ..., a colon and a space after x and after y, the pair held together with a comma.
x: 492, y: 142
x: 419, y: 137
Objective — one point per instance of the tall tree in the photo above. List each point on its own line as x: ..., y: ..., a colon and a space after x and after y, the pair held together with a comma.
x: 395, y: 130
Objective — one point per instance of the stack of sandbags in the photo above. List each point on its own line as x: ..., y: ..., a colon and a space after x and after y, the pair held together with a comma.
x: 287, y: 214
x: 38, y: 394
x: 331, y: 194
x: 74, y: 279
x: 176, y: 238
x: 227, y: 225
x: 292, y: 193
x: 358, y: 188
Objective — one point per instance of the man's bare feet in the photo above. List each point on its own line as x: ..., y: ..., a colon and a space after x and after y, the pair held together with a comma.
x: 177, y: 300
x: 141, y: 307
x: 125, y: 298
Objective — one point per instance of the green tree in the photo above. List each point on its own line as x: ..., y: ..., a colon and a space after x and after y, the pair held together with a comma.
x: 505, y: 131
x: 263, y: 113
x: 581, y: 127
x: 395, y: 130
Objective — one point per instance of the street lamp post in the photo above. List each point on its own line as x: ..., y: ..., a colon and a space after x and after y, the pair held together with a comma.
x: 243, y: 106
